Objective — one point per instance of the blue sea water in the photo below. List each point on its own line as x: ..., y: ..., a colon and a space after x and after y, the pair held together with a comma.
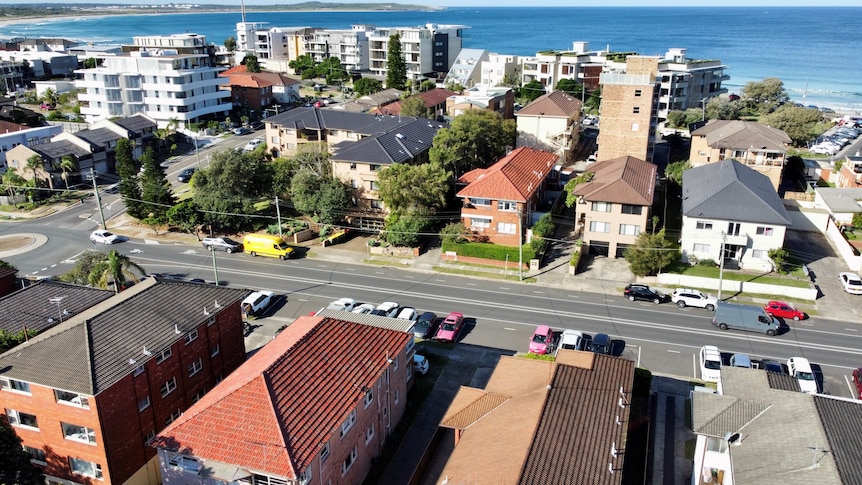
x: 815, y: 51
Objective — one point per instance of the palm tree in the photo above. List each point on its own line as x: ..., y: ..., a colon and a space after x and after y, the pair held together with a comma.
x: 13, y: 183
x: 35, y: 163
x: 67, y: 164
x: 117, y: 268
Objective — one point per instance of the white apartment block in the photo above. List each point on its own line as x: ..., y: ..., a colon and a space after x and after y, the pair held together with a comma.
x: 274, y: 47
x: 493, y: 71
x: 350, y: 46
x: 157, y: 82
x: 466, y: 70
x: 686, y: 83
x: 429, y: 51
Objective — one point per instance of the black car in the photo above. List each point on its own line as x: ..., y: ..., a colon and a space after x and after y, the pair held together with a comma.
x: 643, y: 292
x: 425, y: 326
x: 771, y: 365
x: 186, y: 175
x: 601, y: 344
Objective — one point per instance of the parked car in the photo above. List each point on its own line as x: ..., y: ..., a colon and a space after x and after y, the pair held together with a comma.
x: 222, y: 243
x: 684, y: 297
x: 407, y: 313
x: 851, y: 282
x: 363, y: 308
x: 253, y: 144
x: 601, y: 344
x: 420, y: 364
x: 750, y: 318
x: 784, y: 310
x: 710, y: 363
x: 800, y: 368
x: 542, y: 339
x: 573, y: 340
x: 343, y: 304
x: 425, y: 326
x: 101, y: 236
x: 857, y: 380
x: 635, y: 291
x: 241, y: 131
x: 740, y: 360
x: 771, y: 365
x: 256, y: 303
x: 387, y: 309
x: 185, y: 175
x: 450, y: 328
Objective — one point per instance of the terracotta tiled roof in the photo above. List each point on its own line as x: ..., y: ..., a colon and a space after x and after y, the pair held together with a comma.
x: 484, y: 403
x: 257, y: 79
x: 9, y: 127
x: 743, y: 135
x: 554, y: 104
x: 624, y: 180
x: 274, y: 413
x: 515, y: 177
x: 238, y: 69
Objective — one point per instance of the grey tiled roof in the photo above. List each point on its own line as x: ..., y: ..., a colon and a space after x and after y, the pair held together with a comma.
x: 136, y: 124
x: 744, y: 135
x: 842, y: 422
x: 783, y: 382
x: 99, y: 137
x: 94, y: 349
x: 717, y: 415
x: 328, y: 119
x: 841, y: 199
x: 59, y: 149
x: 402, y: 144
x: 397, y: 324
x: 42, y: 305
x: 731, y: 191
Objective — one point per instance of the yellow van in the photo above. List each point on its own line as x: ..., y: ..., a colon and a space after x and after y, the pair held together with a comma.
x: 266, y: 245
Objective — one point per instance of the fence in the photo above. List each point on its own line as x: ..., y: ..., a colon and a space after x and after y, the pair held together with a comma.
x: 847, y: 252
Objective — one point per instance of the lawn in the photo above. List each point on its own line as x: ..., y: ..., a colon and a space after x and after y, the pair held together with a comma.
x: 769, y: 279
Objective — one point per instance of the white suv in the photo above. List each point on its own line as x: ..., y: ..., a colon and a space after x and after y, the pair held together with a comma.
x: 800, y: 368
x: 684, y: 297
x: 710, y: 363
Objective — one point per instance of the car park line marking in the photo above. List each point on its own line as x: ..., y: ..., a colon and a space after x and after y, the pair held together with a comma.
x: 673, y: 351
x: 694, y: 365
x: 850, y: 387
x: 508, y: 328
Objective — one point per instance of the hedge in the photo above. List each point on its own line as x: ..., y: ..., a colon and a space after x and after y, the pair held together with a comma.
x: 488, y: 251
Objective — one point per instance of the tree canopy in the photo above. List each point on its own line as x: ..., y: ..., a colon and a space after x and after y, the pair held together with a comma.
x: 323, y: 198
x: 232, y: 185
x: 532, y: 90
x: 396, y: 67
x: 475, y: 139
x: 365, y: 86
x: 414, y: 106
x: 800, y: 124
x: 405, y: 188
x: 15, y: 466
x: 650, y: 253
x: 155, y: 188
x: 251, y: 64
x: 570, y: 86
x: 765, y: 96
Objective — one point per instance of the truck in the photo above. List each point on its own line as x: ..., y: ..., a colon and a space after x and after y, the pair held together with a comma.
x: 266, y: 245
x: 744, y: 317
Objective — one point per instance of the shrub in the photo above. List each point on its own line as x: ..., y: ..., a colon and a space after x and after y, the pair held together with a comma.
x: 707, y: 262
x: 543, y: 228
x: 454, y: 233
x: 489, y: 251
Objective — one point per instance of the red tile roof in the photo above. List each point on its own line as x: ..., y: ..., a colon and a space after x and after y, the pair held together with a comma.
x: 234, y: 70
x: 256, y: 79
x: 624, y: 180
x: 9, y: 127
x: 553, y: 104
x: 274, y: 413
x: 515, y: 177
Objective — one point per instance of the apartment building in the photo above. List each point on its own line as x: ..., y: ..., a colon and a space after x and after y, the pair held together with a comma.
x: 314, y: 406
x: 850, y: 175
x: 274, y: 47
x: 629, y: 110
x: 157, y: 80
x: 428, y: 50
x: 350, y: 46
x: 551, y: 122
x: 466, y: 70
x: 87, y: 395
x: 498, y: 68
x: 688, y: 83
x: 500, y: 100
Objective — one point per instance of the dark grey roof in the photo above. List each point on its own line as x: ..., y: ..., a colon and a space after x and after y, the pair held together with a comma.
x: 43, y: 304
x: 842, y: 423
x: 328, y: 119
x: 100, y: 137
x: 402, y: 144
x: 98, y: 347
x: 731, y: 191
x: 782, y: 382
x: 59, y: 149
x: 137, y: 123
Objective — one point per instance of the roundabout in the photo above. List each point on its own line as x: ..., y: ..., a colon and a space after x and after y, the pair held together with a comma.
x: 20, y: 243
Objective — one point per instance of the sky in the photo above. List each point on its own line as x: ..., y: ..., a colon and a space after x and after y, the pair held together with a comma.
x: 511, y: 3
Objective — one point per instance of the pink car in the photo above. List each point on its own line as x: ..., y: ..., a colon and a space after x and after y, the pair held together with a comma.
x: 451, y: 326
x: 541, y: 341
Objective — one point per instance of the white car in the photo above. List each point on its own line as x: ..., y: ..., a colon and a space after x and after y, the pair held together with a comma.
x: 571, y: 340
x: 363, y: 308
x: 684, y: 297
x: 387, y: 309
x: 407, y: 313
x: 851, y: 282
x: 420, y: 364
x: 102, y: 236
x: 800, y: 368
x: 256, y: 303
x: 343, y: 304
x: 253, y: 144
x: 710, y: 363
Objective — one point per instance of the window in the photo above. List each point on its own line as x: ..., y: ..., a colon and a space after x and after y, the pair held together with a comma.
x: 191, y: 336
x: 503, y: 205
x: 84, y: 467
x: 164, y: 354
x: 184, y: 463
x: 139, y: 370
x: 759, y: 254
x: 352, y: 165
x: 71, y: 398
x: 506, y: 227
x: 13, y: 385
x: 395, y: 362
x: 144, y: 403
x: 149, y: 436
x: 481, y: 202
x: 305, y: 476
x: 601, y: 206
x: 347, y: 424
x: 597, y: 226
x: 480, y: 222
x: 211, y: 321
x: 215, y: 350
x: 78, y: 433
x: 704, y: 225
x: 195, y: 367
x: 636, y: 110
x: 376, y: 204
x: 369, y: 398
x: 637, y: 93
x: 37, y: 455
x: 324, y: 453
x: 375, y: 185
x: 23, y: 420
x: 354, y: 184
x: 635, y: 127
x: 374, y: 167
x: 349, y: 461
x: 764, y: 231
x: 629, y: 229
x: 173, y: 417
x: 169, y: 386
x: 199, y: 395
x: 631, y: 209
x: 369, y: 433
x: 397, y: 395
x: 701, y: 248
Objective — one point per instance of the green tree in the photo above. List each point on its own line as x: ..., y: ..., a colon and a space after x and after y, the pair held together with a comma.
x: 35, y: 164
x: 283, y: 170
x: 571, y: 87
x: 405, y: 229
x: 67, y: 164
x: 9, y: 340
x: 396, y: 67
x: 129, y: 186
x: 155, y: 189
x: 50, y: 97
x: 92, y: 63
x: 779, y: 259
x: 426, y: 86
x: 15, y: 466
x: 415, y: 106
x: 650, y: 253
x: 454, y: 232
x: 301, y: 63
x: 594, y: 101
x: 250, y: 62
x: 583, y: 178
x: 794, y: 168
x: 365, y: 86
x: 719, y: 108
x: 323, y: 198
x: 332, y: 202
x: 532, y: 90
x: 314, y: 158
x: 542, y: 229
x: 232, y: 184
x: 765, y: 96
x: 405, y: 188
x: 673, y: 171
x: 186, y: 216
x: 116, y: 268
x: 676, y: 119
x: 800, y: 124
x: 475, y: 139
x: 230, y: 44
x: 13, y: 183
x: 857, y: 220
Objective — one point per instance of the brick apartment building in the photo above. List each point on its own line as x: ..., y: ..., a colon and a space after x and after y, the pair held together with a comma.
x: 87, y: 395
x: 629, y: 110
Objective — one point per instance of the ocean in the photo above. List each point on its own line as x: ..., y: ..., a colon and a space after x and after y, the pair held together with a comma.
x: 813, y: 50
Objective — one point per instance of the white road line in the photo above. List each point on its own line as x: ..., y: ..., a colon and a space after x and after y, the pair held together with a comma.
x: 408, y: 276
x: 379, y: 272
x: 53, y: 265
x: 673, y: 351
x: 440, y: 281
x: 504, y: 287
x: 851, y: 329
x: 574, y: 296
x: 850, y: 386
x: 694, y: 366
x: 301, y: 299
x: 507, y: 328
x: 539, y: 292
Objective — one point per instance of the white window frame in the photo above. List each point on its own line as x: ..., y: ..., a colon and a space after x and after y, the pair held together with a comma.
x: 348, y: 423
x: 14, y: 417
x: 700, y: 248
x: 37, y: 455
x: 173, y: 417
x: 597, y: 226
x: 215, y: 350
x: 507, y: 206
x: 397, y: 396
x: 76, y: 432
x: 14, y: 385
x: 507, y: 228
x: 144, y: 403
x: 703, y: 225
x: 71, y: 399
x: 195, y: 367
x: 349, y: 461
x: 369, y: 433
x: 480, y: 222
x: 629, y: 229
x: 369, y: 398
x: 169, y: 386
x: 185, y: 464
x: 759, y: 254
x: 191, y: 336
x: 324, y: 452
x: 598, y: 206
x: 95, y: 467
x: 138, y: 370
x: 481, y: 202
x: 163, y: 355
x: 395, y: 362
x: 764, y: 231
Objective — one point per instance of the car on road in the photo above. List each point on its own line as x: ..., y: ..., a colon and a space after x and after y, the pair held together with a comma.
x: 800, y: 368
x: 783, y: 309
x: 222, y: 243
x: 185, y: 175
x: 740, y: 360
x: 253, y: 144
x: 573, y: 340
x: 256, y: 303
x: 710, y: 363
x: 601, y: 344
x: 420, y: 364
x: 857, y: 381
x: 542, y: 339
x: 425, y: 326
x: 851, y: 282
x: 684, y: 297
x: 241, y: 131
x: 771, y: 365
x: 101, y: 236
x: 450, y: 328
x: 634, y: 291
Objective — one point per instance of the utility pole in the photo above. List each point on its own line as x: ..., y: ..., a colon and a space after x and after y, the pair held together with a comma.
x: 278, y: 216
x: 520, y: 249
x: 98, y: 199
x: 721, y: 266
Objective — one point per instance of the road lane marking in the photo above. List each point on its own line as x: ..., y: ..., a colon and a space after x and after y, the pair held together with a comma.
x: 508, y: 328
x: 850, y: 386
x: 471, y: 284
x: 504, y: 287
x: 673, y: 351
x: 539, y: 292
x: 851, y: 329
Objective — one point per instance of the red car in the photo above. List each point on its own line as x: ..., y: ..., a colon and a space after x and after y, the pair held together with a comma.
x: 451, y: 326
x: 857, y: 379
x: 784, y: 310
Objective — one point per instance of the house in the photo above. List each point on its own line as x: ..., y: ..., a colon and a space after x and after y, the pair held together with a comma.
x: 51, y: 156
x: 102, y: 145
x: 729, y: 208
x: 358, y: 164
x: 739, y: 432
x: 499, y: 201
x: 14, y: 134
x: 139, y: 129
x: 465, y: 70
x: 628, y: 111
x: 761, y: 147
x: 616, y: 204
x: 314, y: 406
x: 255, y: 91
x: 87, y: 395
x: 48, y: 303
x: 551, y: 123
x: 850, y: 175
x: 434, y: 99
x: 500, y: 100
x: 370, y: 102
x: 540, y: 422
x: 842, y: 203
